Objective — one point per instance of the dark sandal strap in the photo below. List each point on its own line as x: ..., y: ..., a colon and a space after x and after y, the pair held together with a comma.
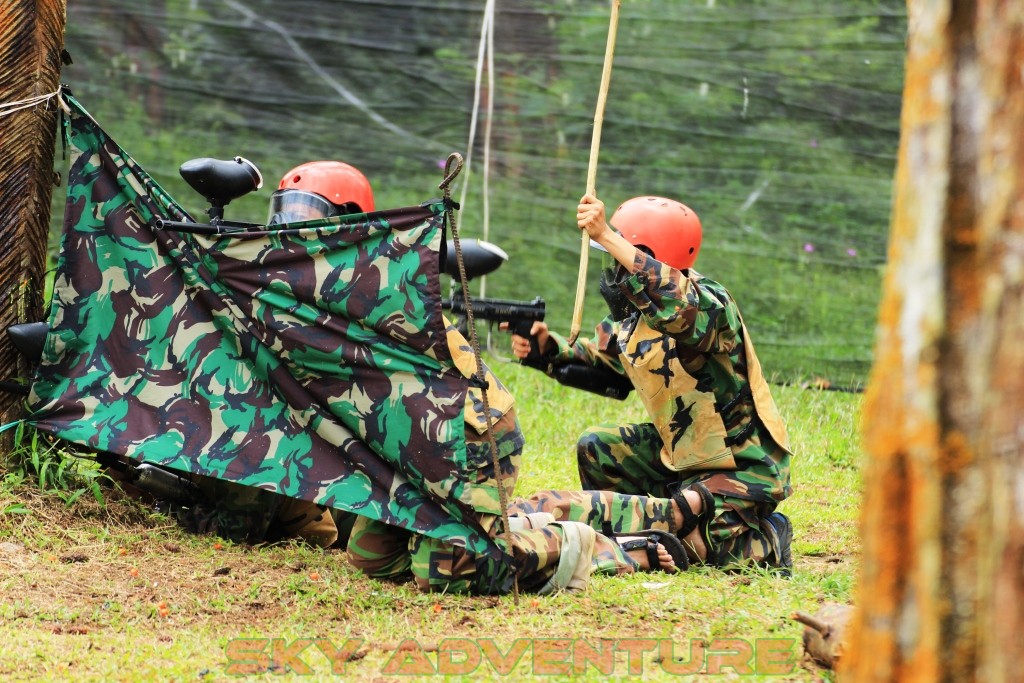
x: 690, y: 520
x: 649, y: 542
x: 653, y: 563
x: 649, y: 546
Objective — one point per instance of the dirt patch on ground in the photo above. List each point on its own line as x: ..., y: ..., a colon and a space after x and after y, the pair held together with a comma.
x: 121, y: 593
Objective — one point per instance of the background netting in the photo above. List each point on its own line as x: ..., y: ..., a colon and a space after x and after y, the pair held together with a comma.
x: 776, y: 120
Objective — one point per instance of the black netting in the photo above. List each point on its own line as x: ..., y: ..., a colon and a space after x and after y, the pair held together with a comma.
x: 777, y: 121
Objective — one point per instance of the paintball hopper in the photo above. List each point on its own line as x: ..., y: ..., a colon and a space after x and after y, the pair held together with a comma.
x: 29, y: 338
x: 478, y: 258
x: 221, y: 180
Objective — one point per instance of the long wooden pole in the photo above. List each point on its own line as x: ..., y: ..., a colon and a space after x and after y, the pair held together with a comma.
x: 595, y: 146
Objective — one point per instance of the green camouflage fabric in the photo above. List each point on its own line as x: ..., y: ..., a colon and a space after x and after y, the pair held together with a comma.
x: 251, y: 515
x: 307, y: 359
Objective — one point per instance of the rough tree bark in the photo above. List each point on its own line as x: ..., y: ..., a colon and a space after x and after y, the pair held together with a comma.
x: 31, y: 39
x: 941, y: 591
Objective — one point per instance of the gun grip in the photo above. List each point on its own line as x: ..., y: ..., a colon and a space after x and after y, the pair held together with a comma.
x: 534, y: 359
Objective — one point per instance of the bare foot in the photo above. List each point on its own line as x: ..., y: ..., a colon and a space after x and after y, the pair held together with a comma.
x: 639, y: 555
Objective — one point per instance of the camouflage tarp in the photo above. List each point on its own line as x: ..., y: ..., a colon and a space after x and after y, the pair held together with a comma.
x: 311, y: 361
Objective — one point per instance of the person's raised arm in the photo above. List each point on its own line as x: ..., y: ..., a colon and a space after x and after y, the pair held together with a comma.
x: 590, y: 216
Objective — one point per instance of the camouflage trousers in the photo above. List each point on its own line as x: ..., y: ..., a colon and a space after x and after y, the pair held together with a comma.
x: 626, y: 459
x: 246, y: 514
x: 546, y: 554
x: 557, y: 556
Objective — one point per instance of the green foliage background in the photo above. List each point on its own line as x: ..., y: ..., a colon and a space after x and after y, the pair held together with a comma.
x: 777, y: 121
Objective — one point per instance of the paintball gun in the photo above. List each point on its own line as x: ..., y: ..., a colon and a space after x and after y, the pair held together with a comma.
x: 162, y: 484
x: 480, y: 258
x: 219, y: 181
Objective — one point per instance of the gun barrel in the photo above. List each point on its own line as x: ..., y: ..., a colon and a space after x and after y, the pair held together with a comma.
x: 498, y: 310
x: 164, y: 484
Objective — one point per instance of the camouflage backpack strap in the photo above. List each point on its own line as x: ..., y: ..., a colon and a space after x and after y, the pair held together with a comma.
x: 452, y: 168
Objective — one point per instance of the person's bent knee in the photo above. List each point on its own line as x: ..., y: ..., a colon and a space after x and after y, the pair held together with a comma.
x: 378, y: 550
x: 588, y: 446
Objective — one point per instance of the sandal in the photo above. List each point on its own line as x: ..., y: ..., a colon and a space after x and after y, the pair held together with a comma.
x: 649, y: 540
x: 690, y: 520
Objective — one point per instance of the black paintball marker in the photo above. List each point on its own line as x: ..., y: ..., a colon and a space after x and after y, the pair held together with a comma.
x: 219, y: 181
x: 480, y: 258
x: 162, y: 484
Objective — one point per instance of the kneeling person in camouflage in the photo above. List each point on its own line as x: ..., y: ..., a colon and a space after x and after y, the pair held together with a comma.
x: 547, y: 554
x: 715, y: 453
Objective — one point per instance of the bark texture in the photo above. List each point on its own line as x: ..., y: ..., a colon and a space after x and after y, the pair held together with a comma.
x: 31, y: 40
x: 941, y: 592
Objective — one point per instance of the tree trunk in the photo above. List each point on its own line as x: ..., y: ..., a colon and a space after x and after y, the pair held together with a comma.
x: 941, y: 591
x: 31, y: 40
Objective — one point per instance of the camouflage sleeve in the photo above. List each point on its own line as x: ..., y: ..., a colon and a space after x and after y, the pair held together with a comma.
x: 697, y: 311
x: 602, y: 349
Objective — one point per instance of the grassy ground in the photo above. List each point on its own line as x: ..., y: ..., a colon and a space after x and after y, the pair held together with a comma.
x: 118, y: 593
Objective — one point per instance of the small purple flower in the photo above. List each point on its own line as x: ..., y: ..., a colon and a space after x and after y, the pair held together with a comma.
x: 808, y: 247
x: 851, y: 252
x: 814, y: 143
x: 441, y: 163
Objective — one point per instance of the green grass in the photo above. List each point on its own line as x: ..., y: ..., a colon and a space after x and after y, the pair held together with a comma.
x: 116, y: 592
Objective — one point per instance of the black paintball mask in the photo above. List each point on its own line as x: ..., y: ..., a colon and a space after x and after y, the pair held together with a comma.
x: 612, y: 286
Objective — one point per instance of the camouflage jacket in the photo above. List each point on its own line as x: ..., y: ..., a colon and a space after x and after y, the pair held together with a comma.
x: 692, y: 362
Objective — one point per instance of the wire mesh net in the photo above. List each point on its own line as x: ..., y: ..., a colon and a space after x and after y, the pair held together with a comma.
x: 777, y: 121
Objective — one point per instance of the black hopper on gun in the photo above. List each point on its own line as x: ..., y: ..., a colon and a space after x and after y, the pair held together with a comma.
x: 219, y: 181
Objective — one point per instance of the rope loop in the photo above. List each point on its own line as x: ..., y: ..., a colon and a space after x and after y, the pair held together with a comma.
x: 454, y: 159
x: 17, y: 105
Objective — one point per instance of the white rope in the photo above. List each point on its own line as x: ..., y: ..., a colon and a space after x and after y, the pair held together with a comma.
x: 488, y: 124
x: 11, y: 107
x: 485, y: 26
x: 485, y: 55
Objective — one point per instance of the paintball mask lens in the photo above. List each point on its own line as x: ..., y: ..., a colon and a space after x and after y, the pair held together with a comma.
x: 608, y: 262
x: 293, y: 206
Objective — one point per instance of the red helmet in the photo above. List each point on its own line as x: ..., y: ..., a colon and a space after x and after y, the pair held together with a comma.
x: 669, y: 229
x: 319, y: 189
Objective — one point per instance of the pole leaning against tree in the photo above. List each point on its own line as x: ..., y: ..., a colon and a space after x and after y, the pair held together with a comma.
x: 595, y: 146
x: 31, y: 42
